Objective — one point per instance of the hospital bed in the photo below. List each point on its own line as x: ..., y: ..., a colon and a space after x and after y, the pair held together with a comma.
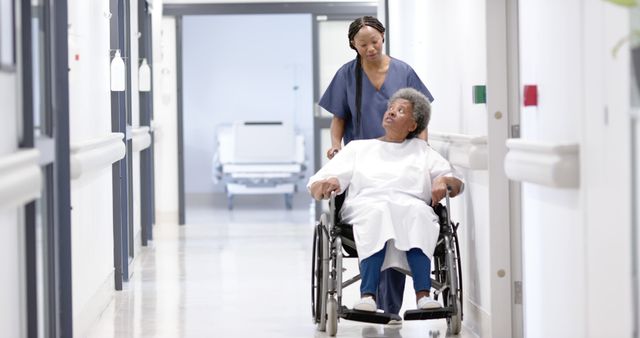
x: 259, y: 158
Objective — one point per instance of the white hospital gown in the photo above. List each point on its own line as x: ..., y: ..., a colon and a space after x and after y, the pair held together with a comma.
x: 389, y: 195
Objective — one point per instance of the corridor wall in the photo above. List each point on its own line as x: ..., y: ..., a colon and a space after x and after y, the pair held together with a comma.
x: 90, y: 119
x: 571, y: 236
x: 551, y: 216
x: 91, y: 196
x: 12, y: 321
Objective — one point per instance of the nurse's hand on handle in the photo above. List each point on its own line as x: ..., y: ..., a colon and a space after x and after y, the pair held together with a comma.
x: 322, y: 189
x: 332, y: 152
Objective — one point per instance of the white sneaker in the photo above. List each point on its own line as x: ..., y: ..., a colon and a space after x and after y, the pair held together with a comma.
x: 366, y: 304
x: 428, y: 303
x: 395, y: 322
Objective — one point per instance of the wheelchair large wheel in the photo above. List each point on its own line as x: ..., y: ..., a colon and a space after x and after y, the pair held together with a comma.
x: 319, y: 277
x: 453, y: 276
x: 454, y: 323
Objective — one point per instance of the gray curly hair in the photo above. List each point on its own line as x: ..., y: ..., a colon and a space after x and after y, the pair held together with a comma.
x: 421, y: 108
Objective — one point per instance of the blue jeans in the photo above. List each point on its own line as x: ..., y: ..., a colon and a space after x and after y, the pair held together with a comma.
x: 391, y: 289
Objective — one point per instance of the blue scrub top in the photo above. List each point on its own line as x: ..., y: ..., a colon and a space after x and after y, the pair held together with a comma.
x: 340, y: 97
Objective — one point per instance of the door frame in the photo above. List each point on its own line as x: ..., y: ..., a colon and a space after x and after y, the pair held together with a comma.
x: 321, y: 122
x: 52, y: 143
x: 503, y: 107
x: 120, y: 106
x: 315, y: 9
x: 145, y: 50
x: 58, y: 259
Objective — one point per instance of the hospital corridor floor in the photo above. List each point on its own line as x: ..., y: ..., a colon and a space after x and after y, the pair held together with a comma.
x: 239, y: 273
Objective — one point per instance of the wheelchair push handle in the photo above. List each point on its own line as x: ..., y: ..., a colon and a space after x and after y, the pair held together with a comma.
x: 447, y: 197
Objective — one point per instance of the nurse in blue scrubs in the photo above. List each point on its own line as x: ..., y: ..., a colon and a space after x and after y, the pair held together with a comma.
x: 357, y: 97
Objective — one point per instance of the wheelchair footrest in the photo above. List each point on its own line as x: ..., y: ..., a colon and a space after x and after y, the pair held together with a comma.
x: 427, y: 314
x: 367, y: 317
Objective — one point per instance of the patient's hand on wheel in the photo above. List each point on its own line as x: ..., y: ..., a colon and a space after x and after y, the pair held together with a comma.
x: 322, y: 189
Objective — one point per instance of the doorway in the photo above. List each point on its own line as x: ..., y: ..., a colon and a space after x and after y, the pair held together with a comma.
x: 303, y: 101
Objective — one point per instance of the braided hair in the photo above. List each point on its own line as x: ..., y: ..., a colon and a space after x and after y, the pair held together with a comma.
x: 354, y: 28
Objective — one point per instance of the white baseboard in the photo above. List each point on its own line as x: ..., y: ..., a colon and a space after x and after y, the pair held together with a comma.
x: 476, y: 319
x: 93, y: 309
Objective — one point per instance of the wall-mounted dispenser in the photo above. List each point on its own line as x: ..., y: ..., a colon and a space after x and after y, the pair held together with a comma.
x: 144, y: 77
x: 118, y: 73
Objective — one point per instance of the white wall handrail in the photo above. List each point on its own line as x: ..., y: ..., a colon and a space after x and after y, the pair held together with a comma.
x: 140, y: 138
x: 456, y: 138
x: 96, y: 154
x: 553, y: 165
x: 20, y: 178
x: 466, y: 151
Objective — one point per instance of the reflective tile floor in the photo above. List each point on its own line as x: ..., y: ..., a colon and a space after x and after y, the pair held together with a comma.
x: 240, y: 273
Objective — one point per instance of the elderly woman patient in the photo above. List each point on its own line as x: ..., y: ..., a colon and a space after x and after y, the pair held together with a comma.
x: 393, y: 183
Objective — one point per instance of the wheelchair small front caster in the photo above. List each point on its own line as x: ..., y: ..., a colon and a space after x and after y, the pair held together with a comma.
x: 332, y: 316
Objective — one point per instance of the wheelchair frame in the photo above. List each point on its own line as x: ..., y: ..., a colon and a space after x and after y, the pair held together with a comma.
x: 329, y: 239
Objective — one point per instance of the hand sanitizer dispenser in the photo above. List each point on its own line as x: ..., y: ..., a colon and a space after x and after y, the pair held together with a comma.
x: 144, y: 77
x: 118, y: 73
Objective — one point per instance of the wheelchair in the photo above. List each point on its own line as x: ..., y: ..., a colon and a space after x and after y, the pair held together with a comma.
x: 333, y: 241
